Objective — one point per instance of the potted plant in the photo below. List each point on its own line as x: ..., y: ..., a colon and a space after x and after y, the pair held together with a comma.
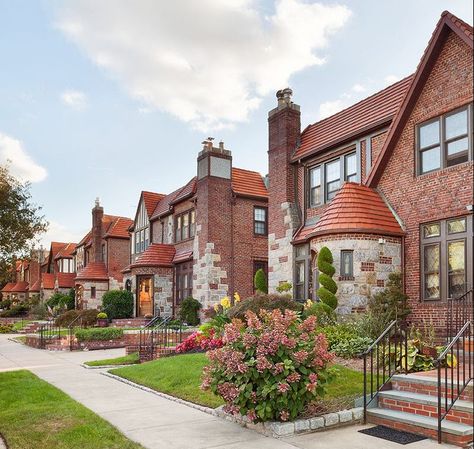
x: 102, y: 319
x: 428, y: 346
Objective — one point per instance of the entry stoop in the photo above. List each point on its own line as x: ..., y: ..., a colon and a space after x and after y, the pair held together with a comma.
x: 412, y: 405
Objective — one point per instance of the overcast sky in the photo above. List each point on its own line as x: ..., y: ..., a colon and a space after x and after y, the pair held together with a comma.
x: 105, y: 98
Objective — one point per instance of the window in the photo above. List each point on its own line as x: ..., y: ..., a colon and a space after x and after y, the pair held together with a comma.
x: 444, y: 141
x: 92, y: 292
x: 315, y: 187
x: 260, y: 265
x: 325, y: 180
x: 301, y: 273
x: 137, y: 242
x: 102, y: 254
x: 184, y: 281
x: 142, y: 240
x: 260, y: 220
x: 347, y: 264
x: 185, y: 225
x: 147, y: 237
x: 446, y: 253
x: 300, y: 280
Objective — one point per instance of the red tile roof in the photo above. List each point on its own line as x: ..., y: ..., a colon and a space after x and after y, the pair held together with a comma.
x: 118, y: 227
x: 66, y: 251
x: 248, y: 183
x: 20, y: 287
x: 7, y: 287
x: 85, y: 240
x: 48, y: 281
x: 36, y: 286
x: 65, y: 280
x: 355, y: 208
x: 165, y: 205
x: 151, y: 199
x: 182, y: 256
x: 156, y: 255
x: 447, y: 23
x: 363, y: 116
x: 93, y: 271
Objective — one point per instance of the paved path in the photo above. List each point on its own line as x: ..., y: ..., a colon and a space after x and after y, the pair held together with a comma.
x: 158, y: 423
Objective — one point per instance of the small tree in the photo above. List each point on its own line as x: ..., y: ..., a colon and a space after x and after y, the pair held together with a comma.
x: 260, y: 281
x: 328, y: 289
x: 118, y: 304
x: 189, y: 311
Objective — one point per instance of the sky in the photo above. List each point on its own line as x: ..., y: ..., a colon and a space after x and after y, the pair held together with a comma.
x: 108, y: 98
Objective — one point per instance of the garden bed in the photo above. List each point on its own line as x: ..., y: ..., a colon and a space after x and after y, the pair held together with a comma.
x: 36, y: 414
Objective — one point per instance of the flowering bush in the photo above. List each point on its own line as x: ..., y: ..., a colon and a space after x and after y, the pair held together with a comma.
x: 200, y: 341
x: 270, y: 368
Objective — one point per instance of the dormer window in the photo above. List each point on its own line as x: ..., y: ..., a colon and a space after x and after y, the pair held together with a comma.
x: 444, y: 141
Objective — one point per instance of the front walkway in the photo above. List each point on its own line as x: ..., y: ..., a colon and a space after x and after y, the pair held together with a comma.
x: 156, y: 422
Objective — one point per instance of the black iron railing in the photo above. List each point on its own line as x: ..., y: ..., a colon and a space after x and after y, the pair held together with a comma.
x: 78, y: 322
x: 49, y: 332
x: 460, y: 311
x: 385, y: 357
x: 164, y: 335
x: 455, y: 365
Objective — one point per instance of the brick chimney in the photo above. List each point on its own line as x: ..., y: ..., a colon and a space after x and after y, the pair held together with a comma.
x: 97, y: 215
x: 213, y: 242
x: 284, y: 128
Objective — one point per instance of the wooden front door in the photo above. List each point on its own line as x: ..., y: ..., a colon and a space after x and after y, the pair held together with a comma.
x: 145, y: 296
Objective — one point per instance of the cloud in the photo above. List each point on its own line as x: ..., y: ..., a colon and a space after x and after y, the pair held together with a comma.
x: 74, y: 99
x: 19, y: 161
x: 357, y: 92
x: 59, y: 233
x: 207, y: 62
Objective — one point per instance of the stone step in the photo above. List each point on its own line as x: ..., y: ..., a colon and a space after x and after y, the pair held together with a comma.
x: 424, y: 384
x: 425, y: 405
x: 452, y: 432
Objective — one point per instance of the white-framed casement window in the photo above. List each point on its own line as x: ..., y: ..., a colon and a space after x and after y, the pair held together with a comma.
x: 325, y: 179
x: 185, y: 225
x: 445, y: 140
x: 260, y: 222
x: 446, y: 258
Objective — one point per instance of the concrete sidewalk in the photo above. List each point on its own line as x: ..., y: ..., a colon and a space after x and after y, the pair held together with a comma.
x: 156, y: 422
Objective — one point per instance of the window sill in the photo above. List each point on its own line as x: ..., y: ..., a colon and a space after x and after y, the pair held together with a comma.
x: 346, y: 278
x: 432, y: 173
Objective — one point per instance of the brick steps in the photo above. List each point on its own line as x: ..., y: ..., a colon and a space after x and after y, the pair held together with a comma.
x: 412, y: 405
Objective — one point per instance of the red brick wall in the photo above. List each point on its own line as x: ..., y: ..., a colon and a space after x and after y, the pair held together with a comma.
x: 376, y: 144
x: 438, y: 195
x: 118, y: 257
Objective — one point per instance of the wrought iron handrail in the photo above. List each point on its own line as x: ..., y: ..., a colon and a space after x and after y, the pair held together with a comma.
x: 457, y: 380
x: 390, y: 354
x: 156, y: 321
x: 460, y: 311
x: 48, y: 331
x: 161, y: 336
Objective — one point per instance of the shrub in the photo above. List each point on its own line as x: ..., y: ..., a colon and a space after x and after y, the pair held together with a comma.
x: 39, y: 311
x: 101, y: 316
x: 6, y: 328
x: 322, y: 311
x: 89, y: 317
x: 61, y: 301
x: 189, y: 311
x: 262, y: 301
x: 284, y: 287
x: 353, y: 347
x: 5, y: 304
x: 271, y: 368
x: 99, y: 333
x: 18, y: 310
x: 118, y: 304
x: 328, y: 289
x: 200, y: 341
x: 260, y: 281
x: 337, y: 333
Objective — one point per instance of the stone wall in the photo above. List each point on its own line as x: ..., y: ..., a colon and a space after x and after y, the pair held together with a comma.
x: 373, y: 262
x: 100, y: 288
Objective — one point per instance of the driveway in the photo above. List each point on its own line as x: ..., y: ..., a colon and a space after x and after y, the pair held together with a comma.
x: 156, y: 422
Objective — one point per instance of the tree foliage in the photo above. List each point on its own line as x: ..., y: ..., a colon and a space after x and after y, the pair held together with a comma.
x: 20, y: 221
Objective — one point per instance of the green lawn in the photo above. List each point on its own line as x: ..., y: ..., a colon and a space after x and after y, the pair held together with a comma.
x: 19, y: 325
x: 180, y: 376
x: 34, y: 414
x: 130, y: 359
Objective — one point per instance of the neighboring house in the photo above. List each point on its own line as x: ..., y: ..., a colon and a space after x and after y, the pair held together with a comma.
x: 100, y: 257
x: 386, y: 184
x: 205, y: 239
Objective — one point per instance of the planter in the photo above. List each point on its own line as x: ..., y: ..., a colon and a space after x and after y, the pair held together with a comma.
x: 429, y: 351
x: 102, y: 322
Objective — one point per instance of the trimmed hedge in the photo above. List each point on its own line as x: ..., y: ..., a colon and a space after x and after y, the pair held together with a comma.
x: 19, y: 310
x: 118, y: 304
x: 189, y: 311
x: 99, y: 333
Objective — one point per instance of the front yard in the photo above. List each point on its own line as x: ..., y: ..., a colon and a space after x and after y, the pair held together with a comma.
x: 34, y: 414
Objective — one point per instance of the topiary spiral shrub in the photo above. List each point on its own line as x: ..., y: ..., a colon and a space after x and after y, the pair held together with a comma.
x: 260, y: 281
x: 328, y: 289
x: 269, y: 368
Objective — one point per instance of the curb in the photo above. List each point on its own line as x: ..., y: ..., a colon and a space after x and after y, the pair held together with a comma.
x: 105, y: 366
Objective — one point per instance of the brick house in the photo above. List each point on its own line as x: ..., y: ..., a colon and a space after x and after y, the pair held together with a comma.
x: 386, y: 184
x: 100, y: 257
x: 205, y: 239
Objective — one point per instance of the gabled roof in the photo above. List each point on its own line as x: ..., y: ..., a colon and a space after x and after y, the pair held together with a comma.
x: 66, y: 251
x: 368, y: 114
x: 65, y: 280
x: 47, y: 280
x: 447, y: 23
x: 93, y: 271
x: 7, y: 287
x: 151, y: 199
x: 248, y: 183
x: 85, y: 240
x: 164, y: 207
x: 36, y: 286
x: 20, y: 287
x: 156, y: 255
x: 355, y: 208
x: 118, y: 227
